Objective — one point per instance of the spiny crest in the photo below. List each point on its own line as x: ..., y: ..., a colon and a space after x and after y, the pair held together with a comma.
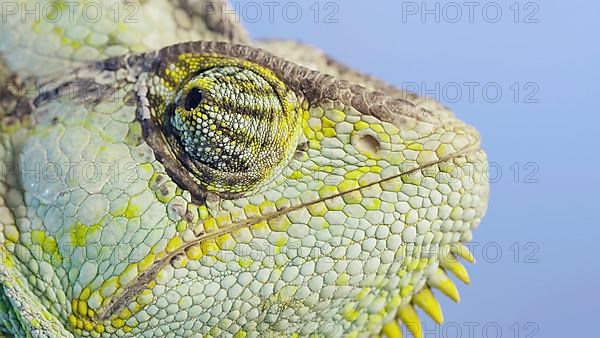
x: 425, y: 299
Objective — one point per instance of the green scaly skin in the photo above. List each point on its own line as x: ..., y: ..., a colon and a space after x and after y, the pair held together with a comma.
x: 331, y: 207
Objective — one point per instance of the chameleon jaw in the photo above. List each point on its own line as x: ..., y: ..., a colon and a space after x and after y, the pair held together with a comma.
x: 424, y: 298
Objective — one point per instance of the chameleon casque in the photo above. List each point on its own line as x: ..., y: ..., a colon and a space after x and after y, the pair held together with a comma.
x: 171, y: 178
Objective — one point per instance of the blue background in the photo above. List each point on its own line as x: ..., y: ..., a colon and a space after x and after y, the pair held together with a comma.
x: 553, y: 282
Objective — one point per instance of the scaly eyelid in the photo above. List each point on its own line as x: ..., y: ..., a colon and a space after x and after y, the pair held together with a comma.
x: 259, y: 112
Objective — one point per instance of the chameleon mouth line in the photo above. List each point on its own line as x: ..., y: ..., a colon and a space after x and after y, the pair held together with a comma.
x: 133, y: 288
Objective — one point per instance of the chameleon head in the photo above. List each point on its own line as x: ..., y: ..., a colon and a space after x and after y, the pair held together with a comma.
x: 235, y: 127
x: 333, y: 207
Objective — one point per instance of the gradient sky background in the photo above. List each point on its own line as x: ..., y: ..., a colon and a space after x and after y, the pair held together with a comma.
x: 550, y: 288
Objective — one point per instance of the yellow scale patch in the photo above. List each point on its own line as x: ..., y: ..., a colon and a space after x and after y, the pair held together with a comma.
x: 47, y: 243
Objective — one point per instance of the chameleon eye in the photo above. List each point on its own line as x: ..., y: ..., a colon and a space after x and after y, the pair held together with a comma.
x: 192, y: 99
x: 233, y: 126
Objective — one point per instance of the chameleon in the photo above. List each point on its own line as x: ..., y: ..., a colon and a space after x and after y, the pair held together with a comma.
x: 170, y: 177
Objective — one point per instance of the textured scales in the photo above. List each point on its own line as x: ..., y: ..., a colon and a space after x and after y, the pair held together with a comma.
x: 111, y: 224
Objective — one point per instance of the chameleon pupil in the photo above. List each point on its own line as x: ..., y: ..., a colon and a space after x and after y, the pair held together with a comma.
x: 192, y: 99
